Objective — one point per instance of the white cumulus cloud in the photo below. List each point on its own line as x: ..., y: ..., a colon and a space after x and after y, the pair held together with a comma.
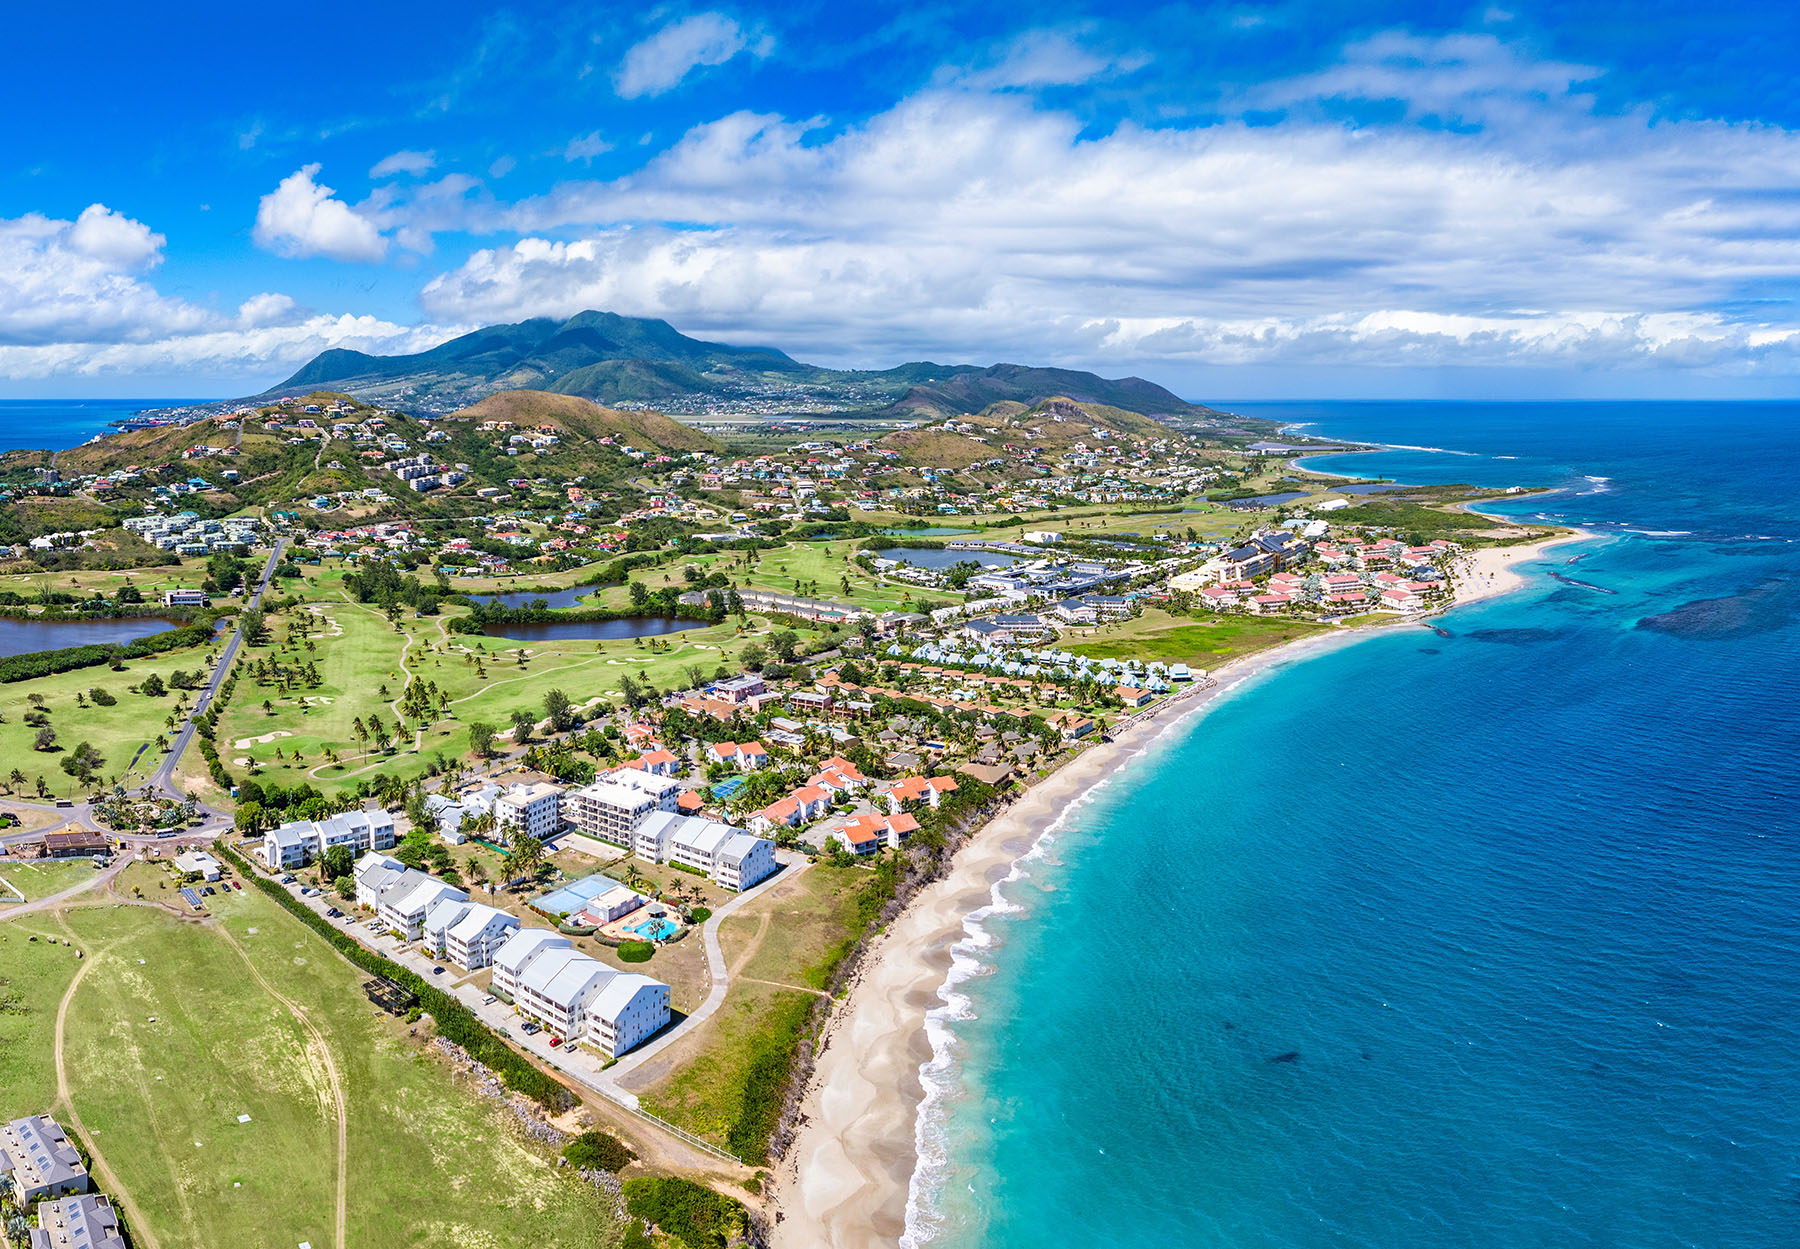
x: 660, y: 62
x: 301, y: 218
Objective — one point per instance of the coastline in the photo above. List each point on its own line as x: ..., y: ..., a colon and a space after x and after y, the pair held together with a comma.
x: 847, y: 1181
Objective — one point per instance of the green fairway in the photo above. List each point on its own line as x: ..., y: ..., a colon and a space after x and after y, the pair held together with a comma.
x: 1157, y: 635
x: 179, y: 1028
x: 116, y: 731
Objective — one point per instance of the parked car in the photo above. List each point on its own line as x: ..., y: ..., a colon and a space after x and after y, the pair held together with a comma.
x: 555, y: 1041
x: 531, y: 1028
x: 489, y: 1000
x: 437, y: 971
x: 238, y: 885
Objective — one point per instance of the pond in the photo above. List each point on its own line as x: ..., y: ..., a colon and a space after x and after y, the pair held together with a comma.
x: 19, y: 637
x: 525, y: 598
x: 592, y: 630
x: 933, y: 531
x: 926, y: 557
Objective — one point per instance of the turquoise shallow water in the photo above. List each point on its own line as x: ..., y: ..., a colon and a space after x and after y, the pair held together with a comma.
x: 1490, y: 939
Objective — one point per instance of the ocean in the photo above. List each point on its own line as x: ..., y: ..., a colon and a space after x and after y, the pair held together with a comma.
x: 1432, y: 942
x: 57, y: 424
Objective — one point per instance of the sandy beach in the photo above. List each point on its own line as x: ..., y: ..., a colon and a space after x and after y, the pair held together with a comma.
x: 1493, y: 571
x: 845, y: 1182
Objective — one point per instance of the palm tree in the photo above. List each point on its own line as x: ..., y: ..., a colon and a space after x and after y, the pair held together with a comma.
x: 362, y: 734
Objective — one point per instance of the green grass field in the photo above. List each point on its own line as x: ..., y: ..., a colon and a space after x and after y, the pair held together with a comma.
x: 116, y: 732
x: 172, y: 1035
x: 41, y: 879
x: 776, y: 950
x: 1205, y: 643
x: 33, y: 977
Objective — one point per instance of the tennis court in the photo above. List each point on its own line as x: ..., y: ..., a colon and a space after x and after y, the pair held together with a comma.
x: 571, y: 897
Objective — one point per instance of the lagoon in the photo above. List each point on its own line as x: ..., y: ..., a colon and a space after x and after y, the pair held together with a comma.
x: 21, y: 637
x: 592, y: 630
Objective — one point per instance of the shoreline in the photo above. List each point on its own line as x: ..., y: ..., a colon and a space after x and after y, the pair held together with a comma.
x: 847, y: 1181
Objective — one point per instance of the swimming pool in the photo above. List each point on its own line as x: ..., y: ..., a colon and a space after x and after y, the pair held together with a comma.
x: 655, y: 929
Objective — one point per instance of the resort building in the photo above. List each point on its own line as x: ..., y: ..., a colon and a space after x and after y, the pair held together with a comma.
x: 87, y: 1221
x: 629, y: 1010
x: 613, y: 806
x: 466, y: 933
x: 579, y: 998
x: 518, y: 950
x: 36, y: 1155
x: 734, y: 859
x: 298, y: 842
x: 534, y: 809
x: 745, y: 756
x: 405, y: 903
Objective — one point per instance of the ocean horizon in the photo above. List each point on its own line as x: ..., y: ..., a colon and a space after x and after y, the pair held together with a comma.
x: 58, y: 424
x: 1479, y: 936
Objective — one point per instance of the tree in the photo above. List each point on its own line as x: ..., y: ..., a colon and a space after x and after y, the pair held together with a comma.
x: 785, y: 644
x: 525, y: 858
x: 153, y: 686
x: 346, y: 887
x: 249, y: 818
x: 16, y: 781
x: 45, y: 739
x: 362, y: 733
x: 82, y: 762
x: 558, y: 710
x: 754, y: 655
x: 338, y: 861
x: 383, y: 737
x: 523, y: 722
x: 481, y: 738
x: 478, y: 876
x: 640, y: 595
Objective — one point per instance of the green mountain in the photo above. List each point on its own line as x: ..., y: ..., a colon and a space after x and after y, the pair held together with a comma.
x: 639, y: 362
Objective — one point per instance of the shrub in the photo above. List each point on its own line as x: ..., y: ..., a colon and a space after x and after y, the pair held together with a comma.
x: 691, y: 1213
x: 699, y: 914
x: 635, y: 951
x: 766, y: 1080
x: 596, y: 1150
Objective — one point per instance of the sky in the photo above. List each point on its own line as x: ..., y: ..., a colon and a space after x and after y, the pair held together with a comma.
x: 1240, y: 200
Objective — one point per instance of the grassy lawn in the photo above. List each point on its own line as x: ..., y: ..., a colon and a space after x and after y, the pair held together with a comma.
x: 428, y: 1163
x: 33, y: 978
x: 116, y: 732
x: 777, y: 949
x: 41, y: 879
x: 151, y: 582
x: 357, y: 652
x: 1205, y: 643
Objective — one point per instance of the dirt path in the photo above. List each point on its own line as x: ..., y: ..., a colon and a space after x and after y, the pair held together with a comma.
x: 337, y: 1084
x: 754, y: 944
x: 140, y: 1224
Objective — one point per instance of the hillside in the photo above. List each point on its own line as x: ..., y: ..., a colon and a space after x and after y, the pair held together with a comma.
x: 582, y: 421
x: 1011, y: 429
x: 632, y: 361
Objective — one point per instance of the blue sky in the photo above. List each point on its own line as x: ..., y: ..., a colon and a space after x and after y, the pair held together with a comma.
x: 1238, y: 200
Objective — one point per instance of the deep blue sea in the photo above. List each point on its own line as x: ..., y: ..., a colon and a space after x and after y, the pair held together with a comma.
x: 1489, y: 940
x: 57, y: 424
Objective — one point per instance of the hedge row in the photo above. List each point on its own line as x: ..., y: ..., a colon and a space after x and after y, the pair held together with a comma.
x: 34, y: 664
x: 454, y: 1020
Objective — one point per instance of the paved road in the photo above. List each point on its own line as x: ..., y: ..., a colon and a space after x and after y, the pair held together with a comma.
x: 164, y: 778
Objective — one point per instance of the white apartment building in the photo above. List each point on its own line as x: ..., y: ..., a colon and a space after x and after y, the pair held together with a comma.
x: 629, y: 1010
x: 556, y: 987
x: 466, y: 933
x: 297, y: 842
x: 577, y: 997
x: 613, y: 806
x: 36, y: 1155
x: 518, y: 950
x: 734, y: 859
x: 535, y: 809
x: 405, y: 903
